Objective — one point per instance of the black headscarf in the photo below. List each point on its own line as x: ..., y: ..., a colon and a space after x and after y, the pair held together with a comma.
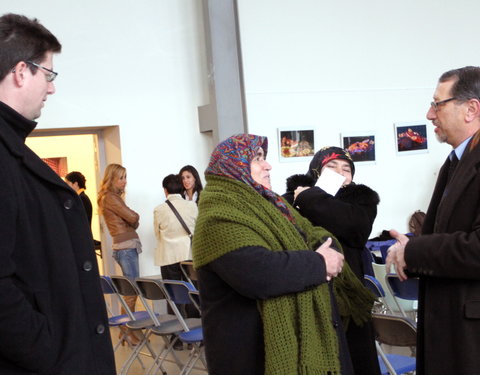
x: 324, y: 155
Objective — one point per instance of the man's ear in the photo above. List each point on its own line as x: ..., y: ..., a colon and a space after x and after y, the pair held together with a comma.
x: 473, y: 110
x: 19, y: 72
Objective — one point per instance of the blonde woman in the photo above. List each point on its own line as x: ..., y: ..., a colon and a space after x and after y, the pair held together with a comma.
x: 122, y: 223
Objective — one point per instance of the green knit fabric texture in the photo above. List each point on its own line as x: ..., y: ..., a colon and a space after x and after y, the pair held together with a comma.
x: 298, y: 329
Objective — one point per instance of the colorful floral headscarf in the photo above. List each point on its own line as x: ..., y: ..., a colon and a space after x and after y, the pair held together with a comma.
x: 232, y: 158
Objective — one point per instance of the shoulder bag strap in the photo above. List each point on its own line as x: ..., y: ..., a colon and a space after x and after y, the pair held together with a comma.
x: 179, y: 218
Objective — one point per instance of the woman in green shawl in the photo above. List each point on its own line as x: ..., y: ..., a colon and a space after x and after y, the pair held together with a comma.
x: 267, y: 303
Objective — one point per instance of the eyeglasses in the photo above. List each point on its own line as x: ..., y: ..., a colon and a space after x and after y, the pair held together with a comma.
x: 50, y: 76
x: 436, y: 104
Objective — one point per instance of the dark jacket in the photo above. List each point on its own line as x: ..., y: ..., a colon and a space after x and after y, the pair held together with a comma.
x: 52, y: 311
x: 447, y: 259
x: 230, y: 287
x: 87, y: 204
x: 349, y: 215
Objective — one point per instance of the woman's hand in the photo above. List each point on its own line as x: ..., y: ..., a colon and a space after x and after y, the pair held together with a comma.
x: 298, y: 190
x: 333, y: 259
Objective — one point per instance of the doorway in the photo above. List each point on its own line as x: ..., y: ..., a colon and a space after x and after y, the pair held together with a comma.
x: 87, y: 150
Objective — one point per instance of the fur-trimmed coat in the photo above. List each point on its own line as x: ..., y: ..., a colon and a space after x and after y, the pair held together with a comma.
x: 349, y: 215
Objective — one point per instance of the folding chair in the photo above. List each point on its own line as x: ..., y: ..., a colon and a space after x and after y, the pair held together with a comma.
x: 408, y: 307
x: 380, y: 306
x: 151, y: 288
x: 404, y: 290
x: 395, y: 331
x: 189, y: 272
x: 195, y: 298
x: 127, y: 287
x: 193, y: 337
x: 119, y: 320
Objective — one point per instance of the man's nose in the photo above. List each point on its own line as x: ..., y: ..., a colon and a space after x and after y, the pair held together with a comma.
x: 431, y: 113
x: 51, y: 88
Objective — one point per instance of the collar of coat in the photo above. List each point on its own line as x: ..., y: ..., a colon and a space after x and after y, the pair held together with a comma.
x: 354, y: 193
x: 466, y: 171
x: 14, y: 128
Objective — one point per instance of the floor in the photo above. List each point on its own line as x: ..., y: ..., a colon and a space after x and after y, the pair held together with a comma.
x: 123, y: 353
x: 171, y: 367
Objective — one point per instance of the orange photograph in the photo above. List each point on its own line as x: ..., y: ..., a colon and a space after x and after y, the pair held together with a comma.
x: 296, y: 144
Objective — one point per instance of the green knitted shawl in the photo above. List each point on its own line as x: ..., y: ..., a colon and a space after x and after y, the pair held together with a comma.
x: 298, y: 332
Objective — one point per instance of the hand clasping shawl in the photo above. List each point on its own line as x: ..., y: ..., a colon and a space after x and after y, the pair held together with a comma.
x: 298, y: 331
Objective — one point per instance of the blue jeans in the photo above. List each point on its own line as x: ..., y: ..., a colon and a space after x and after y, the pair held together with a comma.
x: 128, y: 261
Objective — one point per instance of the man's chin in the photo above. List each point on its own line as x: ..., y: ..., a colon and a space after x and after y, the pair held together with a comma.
x: 36, y: 115
x: 442, y: 138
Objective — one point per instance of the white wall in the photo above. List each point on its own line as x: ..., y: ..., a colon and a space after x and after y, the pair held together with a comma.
x: 355, y: 66
x: 338, y: 66
x: 136, y: 64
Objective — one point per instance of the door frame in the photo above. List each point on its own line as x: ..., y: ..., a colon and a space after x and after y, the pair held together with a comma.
x: 108, y: 150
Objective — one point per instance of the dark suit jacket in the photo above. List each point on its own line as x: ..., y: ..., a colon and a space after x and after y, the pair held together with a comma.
x: 52, y: 313
x: 447, y: 259
x: 87, y: 204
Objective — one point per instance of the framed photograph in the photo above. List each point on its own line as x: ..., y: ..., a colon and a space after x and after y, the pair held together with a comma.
x: 360, y: 145
x: 296, y: 145
x: 59, y: 165
x: 411, y: 137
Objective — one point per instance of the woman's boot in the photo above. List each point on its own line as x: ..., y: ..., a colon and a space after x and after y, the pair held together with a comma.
x: 130, y: 301
x: 131, y: 337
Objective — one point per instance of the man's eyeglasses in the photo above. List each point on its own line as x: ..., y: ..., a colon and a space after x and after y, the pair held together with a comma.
x: 50, y: 75
x: 435, y: 105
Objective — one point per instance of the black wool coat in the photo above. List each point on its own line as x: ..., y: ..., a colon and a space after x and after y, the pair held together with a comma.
x: 446, y: 257
x: 230, y: 287
x: 349, y: 215
x: 52, y: 312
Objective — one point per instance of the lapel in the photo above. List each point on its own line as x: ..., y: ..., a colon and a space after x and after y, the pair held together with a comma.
x: 16, y: 146
x: 466, y: 170
x: 430, y: 218
x: 38, y: 167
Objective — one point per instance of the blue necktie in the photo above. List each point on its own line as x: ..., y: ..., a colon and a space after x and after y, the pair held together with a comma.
x: 453, y: 164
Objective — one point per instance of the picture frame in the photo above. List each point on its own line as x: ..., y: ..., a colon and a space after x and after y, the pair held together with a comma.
x: 411, y: 137
x: 296, y: 144
x: 59, y: 165
x: 360, y: 145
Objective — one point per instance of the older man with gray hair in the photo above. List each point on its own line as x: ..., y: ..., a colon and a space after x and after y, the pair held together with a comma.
x: 446, y: 256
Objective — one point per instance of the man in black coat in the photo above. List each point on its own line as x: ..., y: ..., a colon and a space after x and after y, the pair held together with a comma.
x: 446, y: 256
x: 52, y: 313
x: 77, y: 182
